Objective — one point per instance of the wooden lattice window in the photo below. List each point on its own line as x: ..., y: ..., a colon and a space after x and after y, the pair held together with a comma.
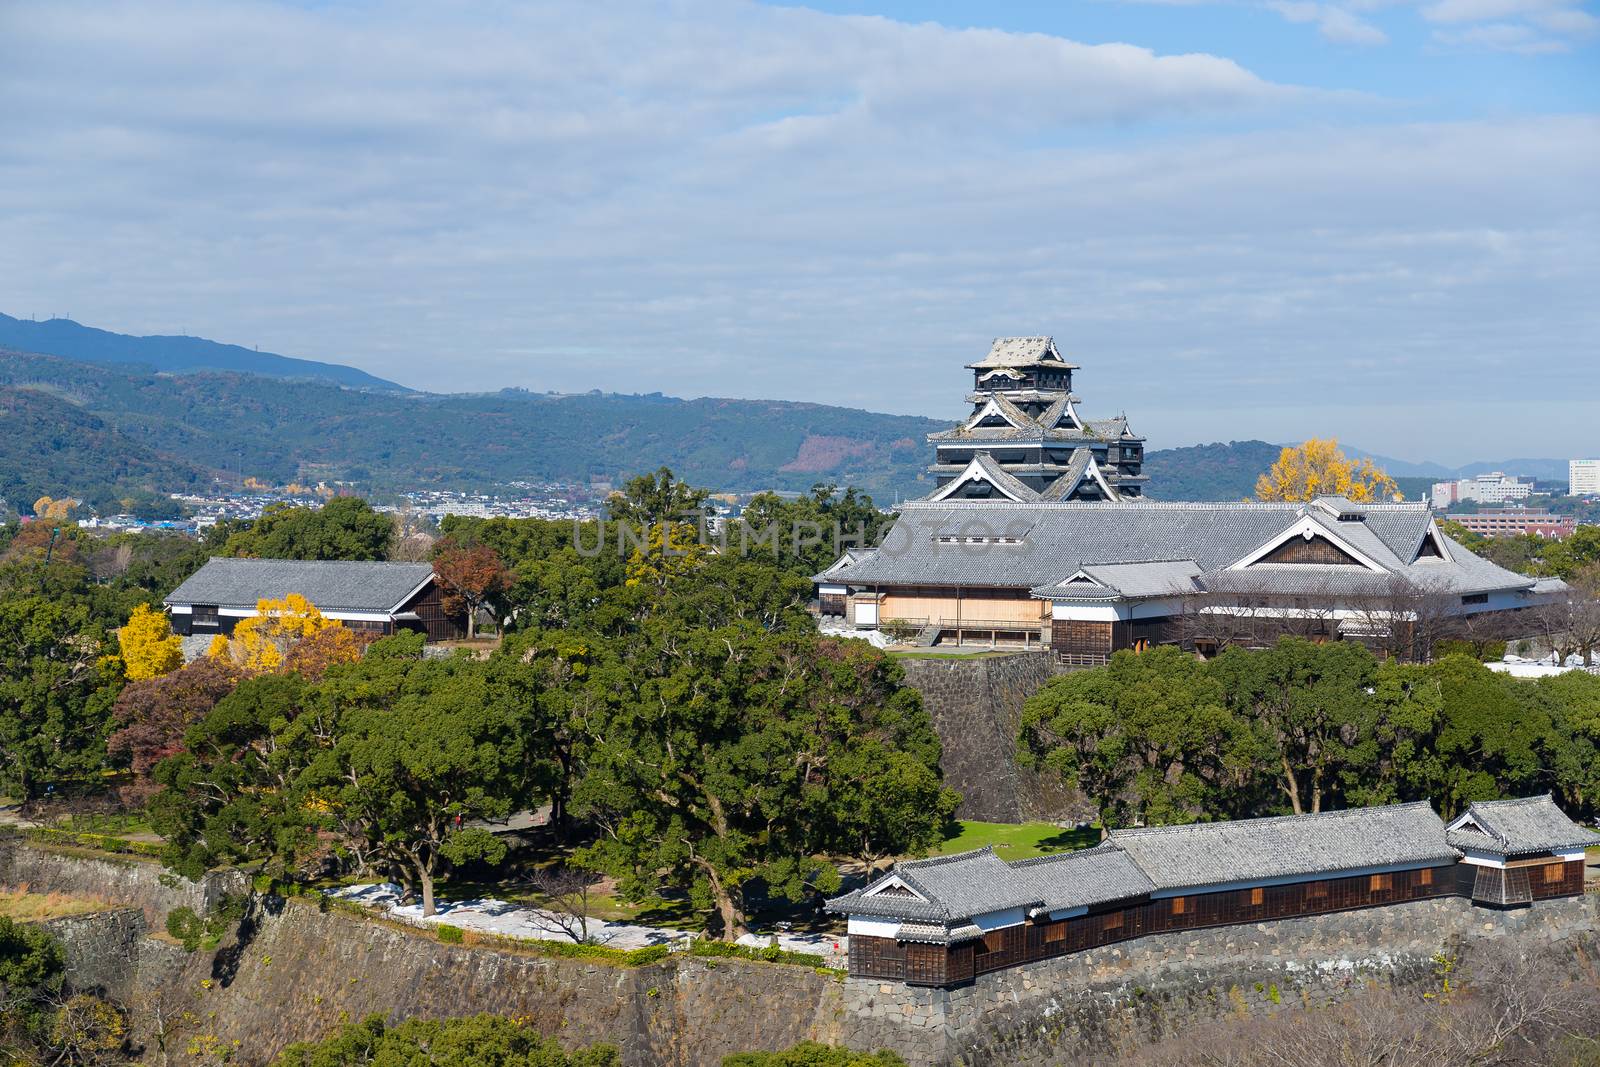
x: 1257, y: 896
x: 1055, y: 932
x: 1178, y: 905
x: 1379, y: 882
x: 1555, y: 872
x: 1112, y: 920
x: 1425, y: 876
x: 994, y: 940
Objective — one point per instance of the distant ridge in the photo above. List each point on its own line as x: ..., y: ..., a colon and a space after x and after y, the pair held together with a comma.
x: 73, y: 340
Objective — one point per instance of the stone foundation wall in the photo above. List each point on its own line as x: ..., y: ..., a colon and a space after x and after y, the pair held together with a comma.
x: 976, y: 705
x: 122, y: 880
x: 112, y: 953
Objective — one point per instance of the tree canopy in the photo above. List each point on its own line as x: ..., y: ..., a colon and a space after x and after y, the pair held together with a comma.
x: 345, y: 527
x: 476, y: 1041
x: 1318, y: 468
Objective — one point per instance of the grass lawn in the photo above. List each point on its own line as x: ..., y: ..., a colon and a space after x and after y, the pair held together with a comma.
x: 1017, y: 840
x: 27, y: 907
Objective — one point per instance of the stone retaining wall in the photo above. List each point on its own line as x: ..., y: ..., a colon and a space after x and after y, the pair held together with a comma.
x: 976, y: 705
x: 124, y: 880
x: 112, y: 953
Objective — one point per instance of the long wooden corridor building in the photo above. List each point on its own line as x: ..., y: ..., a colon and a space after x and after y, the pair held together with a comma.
x: 944, y: 921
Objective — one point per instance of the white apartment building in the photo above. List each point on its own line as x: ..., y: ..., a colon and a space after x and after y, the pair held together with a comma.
x: 1583, y: 476
x: 1492, y: 488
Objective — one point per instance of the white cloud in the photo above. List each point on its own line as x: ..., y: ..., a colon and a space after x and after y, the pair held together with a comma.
x: 1533, y: 27
x: 736, y: 200
x: 1336, y: 24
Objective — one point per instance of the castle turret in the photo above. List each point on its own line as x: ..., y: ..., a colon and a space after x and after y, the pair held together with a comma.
x: 1025, y: 439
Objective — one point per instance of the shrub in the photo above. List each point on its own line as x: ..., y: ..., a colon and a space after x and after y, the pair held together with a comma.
x: 768, y: 953
x: 450, y: 935
x: 99, y: 842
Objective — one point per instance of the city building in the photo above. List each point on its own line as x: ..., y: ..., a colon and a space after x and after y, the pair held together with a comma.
x: 947, y: 920
x: 1583, y: 477
x: 1026, y: 441
x: 382, y: 597
x: 1492, y: 488
x: 1514, y: 522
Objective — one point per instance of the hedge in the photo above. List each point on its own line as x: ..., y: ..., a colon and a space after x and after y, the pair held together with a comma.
x: 99, y: 842
x: 767, y: 954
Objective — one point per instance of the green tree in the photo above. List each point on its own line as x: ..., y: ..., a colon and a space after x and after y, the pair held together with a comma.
x: 1573, y: 700
x: 404, y: 754
x: 1565, y: 558
x: 1310, y: 706
x: 345, y: 527
x: 657, y: 498
x: 1147, y: 736
x: 1489, y: 743
x: 476, y: 1041
x: 716, y: 752
x: 804, y: 536
x: 32, y: 966
x: 227, y: 797
x: 811, y: 1054
x: 58, y: 680
x: 1410, y: 708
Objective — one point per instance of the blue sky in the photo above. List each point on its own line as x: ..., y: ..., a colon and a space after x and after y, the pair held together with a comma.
x: 1374, y: 219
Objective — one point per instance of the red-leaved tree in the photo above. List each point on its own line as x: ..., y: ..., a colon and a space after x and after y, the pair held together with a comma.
x: 153, y: 715
x: 469, y: 575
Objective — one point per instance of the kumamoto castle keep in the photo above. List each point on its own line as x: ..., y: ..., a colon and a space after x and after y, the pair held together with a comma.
x: 1039, y: 534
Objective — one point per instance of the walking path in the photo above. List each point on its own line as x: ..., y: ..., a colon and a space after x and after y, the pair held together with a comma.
x: 491, y: 916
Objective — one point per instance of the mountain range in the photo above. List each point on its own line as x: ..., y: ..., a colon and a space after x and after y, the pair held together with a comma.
x: 107, y: 417
x: 179, y: 355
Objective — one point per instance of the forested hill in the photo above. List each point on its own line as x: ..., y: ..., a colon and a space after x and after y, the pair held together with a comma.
x: 73, y: 340
x: 51, y: 446
x: 1209, y: 472
x: 287, y: 430
x: 117, y: 428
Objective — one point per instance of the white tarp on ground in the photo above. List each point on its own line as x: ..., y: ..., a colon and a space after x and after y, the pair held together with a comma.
x: 877, y: 638
x: 1518, y: 667
x: 491, y: 916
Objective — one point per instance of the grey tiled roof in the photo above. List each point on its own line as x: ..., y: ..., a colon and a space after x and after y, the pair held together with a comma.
x: 1021, y: 352
x: 1093, y: 876
x: 1058, y: 538
x: 1290, y: 846
x: 1518, y: 827
x: 952, y: 887
x: 1063, y: 487
x: 960, y: 887
x: 997, y: 476
x: 330, y: 586
x: 1129, y: 581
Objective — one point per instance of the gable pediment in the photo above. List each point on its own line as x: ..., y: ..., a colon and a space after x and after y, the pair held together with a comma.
x: 1315, y: 549
x: 1309, y: 542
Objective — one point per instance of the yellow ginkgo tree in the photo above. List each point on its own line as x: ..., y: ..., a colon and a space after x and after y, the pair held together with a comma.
x: 149, y: 647
x: 264, y: 641
x: 52, y: 510
x: 1319, y: 468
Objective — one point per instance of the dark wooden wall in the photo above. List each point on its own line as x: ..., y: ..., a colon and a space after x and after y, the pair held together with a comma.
x: 923, y: 964
x: 1071, y: 635
x: 432, y: 619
